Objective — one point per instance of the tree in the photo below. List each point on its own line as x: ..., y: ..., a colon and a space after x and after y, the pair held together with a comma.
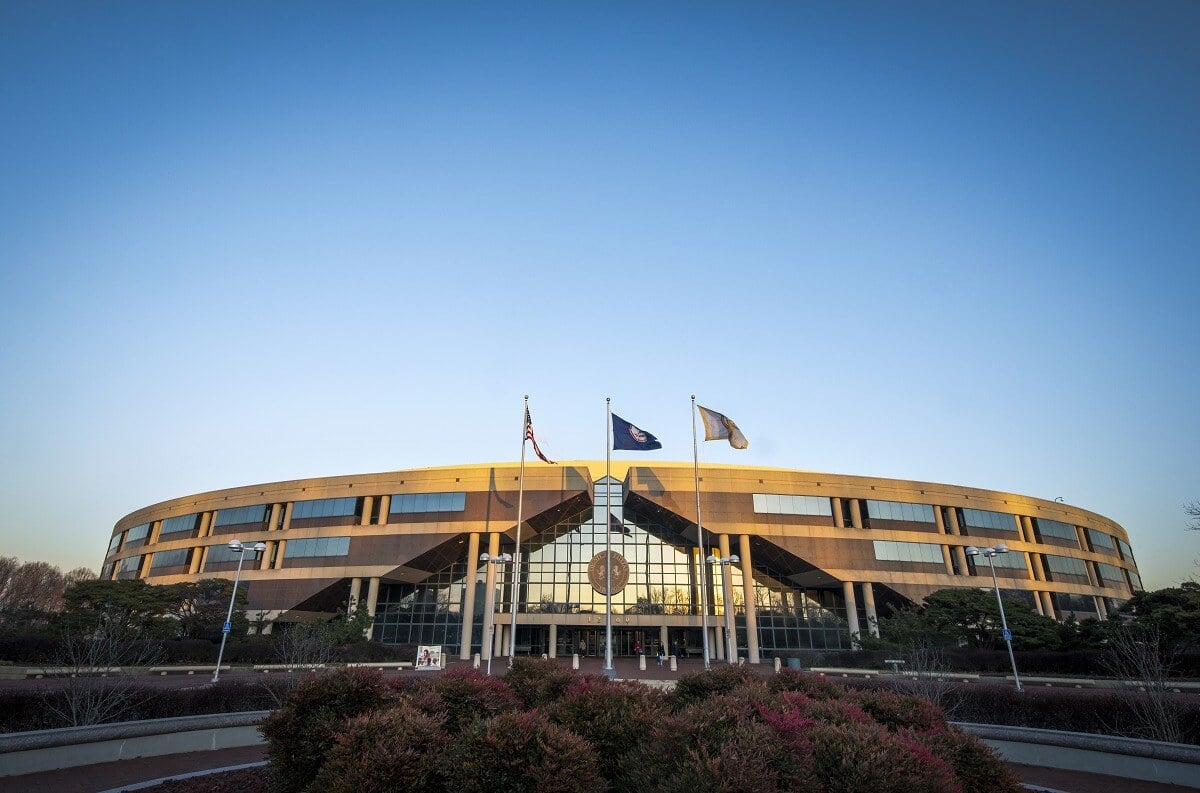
x: 1192, y: 510
x: 1173, y: 611
x: 200, y: 608
x: 132, y: 606
x: 952, y: 617
x: 1142, y: 660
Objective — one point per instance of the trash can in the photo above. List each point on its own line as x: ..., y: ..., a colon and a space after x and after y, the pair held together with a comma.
x: 794, y: 663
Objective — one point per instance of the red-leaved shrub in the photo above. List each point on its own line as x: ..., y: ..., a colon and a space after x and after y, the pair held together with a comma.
x: 395, y: 748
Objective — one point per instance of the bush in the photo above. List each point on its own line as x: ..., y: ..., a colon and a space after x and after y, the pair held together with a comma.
x: 977, y: 768
x: 718, y: 680
x: 301, y: 732
x: 396, y: 748
x: 850, y: 758
x: 897, y: 712
x: 538, y: 682
x: 463, y: 695
x: 813, y: 685
x: 521, y: 752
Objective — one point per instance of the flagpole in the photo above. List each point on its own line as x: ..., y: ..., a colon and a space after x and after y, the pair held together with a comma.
x: 700, y: 538
x: 516, y: 586
x: 608, y: 662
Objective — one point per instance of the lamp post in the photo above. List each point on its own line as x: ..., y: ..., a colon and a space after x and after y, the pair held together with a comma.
x: 237, y: 547
x: 727, y: 589
x: 989, y: 553
x: 489, y: 609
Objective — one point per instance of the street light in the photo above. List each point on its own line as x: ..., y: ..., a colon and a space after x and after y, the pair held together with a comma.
x: 489, y: 616
x: 988, y: 553
x: 237, y: 547
x: 727, y: 589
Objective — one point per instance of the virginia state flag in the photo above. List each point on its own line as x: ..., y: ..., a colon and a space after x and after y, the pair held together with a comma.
x: 718, y: 426
x: 627, y: 436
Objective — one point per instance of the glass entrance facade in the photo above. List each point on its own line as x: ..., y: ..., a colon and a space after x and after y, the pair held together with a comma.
x: 665, y: 574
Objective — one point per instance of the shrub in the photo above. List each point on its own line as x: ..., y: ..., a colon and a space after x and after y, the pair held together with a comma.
x: 538, y: 682
x: 849, y: 758
x: 613, y: 717
x: 301, y: 732
x: 718, y: 680
x: 520, y: 752
x: 814, y: 686
x: 396, y: 748
x: 896, y: 711
x: 463, y: 695
x: 977, y: 768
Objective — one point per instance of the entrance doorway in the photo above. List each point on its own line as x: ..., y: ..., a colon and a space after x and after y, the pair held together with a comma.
x: 590, y: 641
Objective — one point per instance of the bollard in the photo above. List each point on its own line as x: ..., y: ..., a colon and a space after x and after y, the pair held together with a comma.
x: 476, y: 661
x: 575, y: 660
x: 642, y: 663
x: 674, y: 664
x: 777, y: 664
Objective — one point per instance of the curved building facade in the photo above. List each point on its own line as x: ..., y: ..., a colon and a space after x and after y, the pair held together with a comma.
x: 818, y: 556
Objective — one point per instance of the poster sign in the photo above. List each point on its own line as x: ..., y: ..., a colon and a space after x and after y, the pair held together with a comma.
x: 429, y: 657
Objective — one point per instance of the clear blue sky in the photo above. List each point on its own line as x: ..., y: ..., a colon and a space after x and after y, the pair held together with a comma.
x: 242, y: 243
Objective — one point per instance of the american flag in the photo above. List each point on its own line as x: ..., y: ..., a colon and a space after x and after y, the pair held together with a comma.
x: 529, y: 437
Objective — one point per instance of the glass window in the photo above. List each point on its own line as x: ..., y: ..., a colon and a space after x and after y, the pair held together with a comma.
x: 138, y: 533
x: 1126, y: 551
x: 218, y: 554
x: 130, y: 564
x: 899, y: 510
x: 1055, y: 528
x: 1013, y: 560
x: 1110, y: 573
x: 770, y: 504
x: 115, y: 542
x: 241, y: 515
x: 986, y: 519
x: 324, y: 508
x: 180, y: 523
x: 921, y: 552
x: 1135, y: 581
x: 1077, y: 603
x: 170, y: 558
x: 1065, y: 565
x: 409, y: 503
x: 1100, y: 540
x: 317, y: 546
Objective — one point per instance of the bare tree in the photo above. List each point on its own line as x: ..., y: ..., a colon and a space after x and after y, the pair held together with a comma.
x: 99, y: 673
x: 1142, y: 662
x: 32, y: 585
x: 1192, y: 510
x: 927, y: 675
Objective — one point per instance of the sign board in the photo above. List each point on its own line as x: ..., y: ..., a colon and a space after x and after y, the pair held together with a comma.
x: 1007, y: 635
x: 227, y: 627
x: 429, y: 657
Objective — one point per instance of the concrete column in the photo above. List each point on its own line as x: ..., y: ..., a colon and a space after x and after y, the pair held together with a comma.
x: 960, y: 553
x: 1027, y: 525
x: 1101, y: 612
x: 372, y: 602
x: 468, y: 604
x: 718, y: 645
x: 748, y: 597
x: 279, y: 554
x: 206, y: 523
x: 500, y: 646
x: 287, y: 515
x: 1037, y: 603
x: 489, y: 599
x: 368, y: 502
x: 385, y: 505
x: 868, y: 591
x: 839, y: 519
x: 273, y: 521
x: 1020, y: 528
x: 947, y: 561
x: 662, y: 639
x: 727, y: 595
x: 552, y: 650
x: 1047, y: 605
x: 265, y: 562
x: 1039, y: 567
x: 355, y: 594
x: 856, y: 513
x: 851, y: 613
x: 155, y: 528
x: 199, y: 555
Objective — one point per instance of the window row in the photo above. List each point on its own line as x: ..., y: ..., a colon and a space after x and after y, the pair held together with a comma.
x: 408, y: 503
x: 1013, y: 560
x: 900, y: 510
x: 174, y: 558
x: 317, y: 546
x: 242, y: 515
x: 1056, y: 528
x: 924, y: 552
x: 986, y: 519
x: 180, y: 523
x: 139, y: 532
x: 772, y: 504
x: 324, y: 508
x: 1066, y: 565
